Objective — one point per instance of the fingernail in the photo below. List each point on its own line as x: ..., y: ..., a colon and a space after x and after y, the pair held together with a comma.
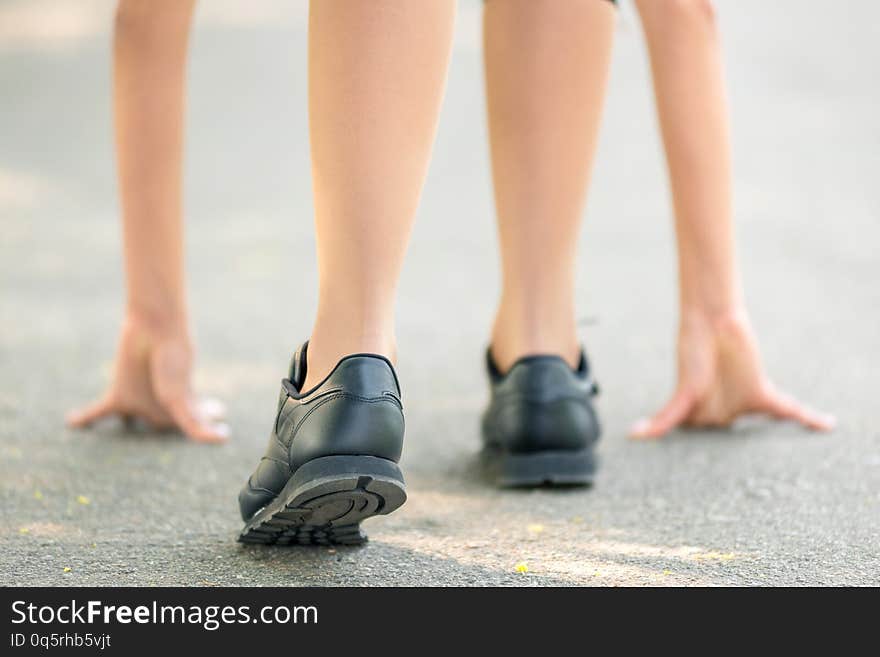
x: 639, y: 427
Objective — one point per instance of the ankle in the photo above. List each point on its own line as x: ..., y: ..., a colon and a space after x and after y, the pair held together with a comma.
x: 510, y: 343
x: 327, y: 349
x: 535, y: 320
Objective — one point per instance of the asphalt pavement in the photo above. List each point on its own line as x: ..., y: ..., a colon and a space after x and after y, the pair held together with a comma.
x: 762, y: 504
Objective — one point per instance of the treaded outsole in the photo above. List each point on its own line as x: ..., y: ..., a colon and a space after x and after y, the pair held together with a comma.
x: 325, y: 502
x: 560, y: 468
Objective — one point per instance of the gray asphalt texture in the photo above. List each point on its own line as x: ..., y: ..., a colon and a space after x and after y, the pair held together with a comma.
x: 763, y: 504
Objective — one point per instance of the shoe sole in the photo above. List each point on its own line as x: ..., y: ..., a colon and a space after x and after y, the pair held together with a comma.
x: 325, y: 501
x: 547, y: 468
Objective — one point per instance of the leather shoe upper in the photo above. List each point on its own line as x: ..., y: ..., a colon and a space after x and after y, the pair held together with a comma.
x: 356, y: 410
x: 541, y: 404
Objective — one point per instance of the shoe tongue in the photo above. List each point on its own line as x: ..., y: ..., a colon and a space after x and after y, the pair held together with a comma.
x: 297, y: 371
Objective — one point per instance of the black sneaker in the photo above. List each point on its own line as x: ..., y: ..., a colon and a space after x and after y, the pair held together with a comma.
x: 540, y: 427
x: 332, y: 457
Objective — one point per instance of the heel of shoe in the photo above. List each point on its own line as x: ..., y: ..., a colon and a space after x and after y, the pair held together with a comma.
x: 542, y: 468
x: 326, y: 500
x: 371, y: 476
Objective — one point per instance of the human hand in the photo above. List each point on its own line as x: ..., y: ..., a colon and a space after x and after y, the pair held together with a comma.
x: 720, y: 378
x: 151, y: 382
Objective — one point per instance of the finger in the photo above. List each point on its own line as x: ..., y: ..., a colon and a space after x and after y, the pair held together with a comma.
x: 83, y: 417
x: 783, y: 407
x: 669, y: 417
x: 211, y: 408
x: 195, y: 427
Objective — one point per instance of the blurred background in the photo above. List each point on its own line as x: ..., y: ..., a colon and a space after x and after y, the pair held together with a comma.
x: 763, y: 504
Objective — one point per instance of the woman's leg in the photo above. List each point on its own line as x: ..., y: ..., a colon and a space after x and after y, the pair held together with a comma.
x: 153, y: 364
x: 546, y: 67
x: 376, y: 77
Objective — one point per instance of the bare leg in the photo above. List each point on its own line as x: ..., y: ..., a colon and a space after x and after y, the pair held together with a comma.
x: 720, y: 373
x: 546, y: 69
x: 154, y: 357
x: 376, y: 77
